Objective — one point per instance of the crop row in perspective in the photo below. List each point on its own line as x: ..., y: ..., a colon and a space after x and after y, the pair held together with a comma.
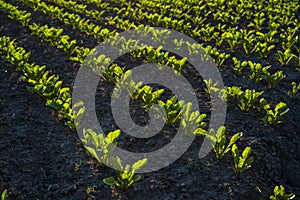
x: 255, y: 38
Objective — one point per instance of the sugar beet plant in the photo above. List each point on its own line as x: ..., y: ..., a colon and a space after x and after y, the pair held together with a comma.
x: 218, y: 57
x: 172, y: 109
x: 100, y: 65
x: 192, y: 122
x: 295, y: 89
x: 247, y: 99
x: 279, y: 194
x: 125, y: 176
x: 219, y: 141
x: 72, y: 19
x: 248, y: 41
x: 146, y: 94
x: 263, y: 48
x: 100, y: 146
x: 272, y: 79
x: 211, y: 87
x: 127, y: 84
x: 57, y: 97
x: 256, y: 71
x: 273, y: 116
x: 149, y: 97
x: 55, y: 37
x: 229, y: 93
x: 238, y: 65
x: 285, y: 57
x: 241, y: 162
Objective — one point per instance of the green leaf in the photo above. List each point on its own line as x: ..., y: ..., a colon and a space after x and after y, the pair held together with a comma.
x: 64, y: 90
x: 94, y: 137
x: 200, y: 131
x: 109, y: 181
x: 249, y: 161
x: 279, y: 106
x: 246, y: 153
x: 140, y: 163
x: 92, y: 151
x: 187, y: 109
x: 117, y: 163
x: 235, y: 153
x: 234, y: 138
x: 136, y: 178
x: 4, y: 195
x: 113, y: 136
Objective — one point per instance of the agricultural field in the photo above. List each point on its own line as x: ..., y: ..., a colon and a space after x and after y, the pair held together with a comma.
x: 254, y: 46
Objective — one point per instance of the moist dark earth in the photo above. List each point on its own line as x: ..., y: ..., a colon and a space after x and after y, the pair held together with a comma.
x: 41, y: 158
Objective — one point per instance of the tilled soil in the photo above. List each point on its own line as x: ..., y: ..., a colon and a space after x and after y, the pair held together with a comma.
x: 41, y: 158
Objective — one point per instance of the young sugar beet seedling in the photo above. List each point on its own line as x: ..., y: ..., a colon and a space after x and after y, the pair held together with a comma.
x: 125, y: 177
x: 206, y: 32
x: 46, y: 85
x: 75, y: 114
x: 268, y: 38
x: 219, y: 141
x: 248, y: 40
x: 172, y: 108
x: 98, y: 63
x: 273, y: 116
x: 241, y: 162
x: 68, y: 46
x: 149, y: 98
x: 232, y: 37
x: 229, y: 93
x: 218, y: 57
x: 288, y: 38
x: 238, y: 65
x: 94, y: 143
x: 62, y: 96
x: 272, y: 79
x: 178, y: 43
x: 113, y: 73
x: 279, y: 194
x: 33, y: 72
x: 68, y: 114
x: 295, y: 89
x: 17, y: 56
x: 192, y: 122
x: 81, y: 53
x: 220, y: 15
x: 256, y: 71
x: 247, y: 99
x: 285, y: 57
x: 264, y: 49
x: 127, y: 84
x: 218, y: 38
x: 258, y: 21
x: 194, y: 49
x: 211, y: 87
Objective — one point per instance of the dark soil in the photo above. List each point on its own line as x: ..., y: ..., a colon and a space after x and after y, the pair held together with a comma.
x: 41, y: 158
